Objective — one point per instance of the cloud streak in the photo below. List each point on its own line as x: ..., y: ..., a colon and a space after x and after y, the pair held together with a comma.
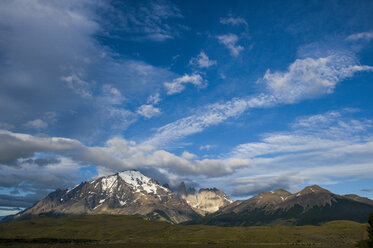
x: 304, y: 79
x: 367, y: 36
x: 235, y: 21
x: 211, y: 115
x: 154, y: 21
x: 178, y: 84
x: 322, y: 148
x: 118, y: 154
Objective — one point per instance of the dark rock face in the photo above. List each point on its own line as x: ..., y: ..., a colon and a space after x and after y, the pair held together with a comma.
x: 181, y: 190
x: 127, y: 193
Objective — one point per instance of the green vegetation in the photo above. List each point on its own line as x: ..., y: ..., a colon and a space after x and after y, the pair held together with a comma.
x: 132, y: 231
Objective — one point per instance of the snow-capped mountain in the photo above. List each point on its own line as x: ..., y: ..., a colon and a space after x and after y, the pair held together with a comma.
x: 208, y: 200
x: 124, y: 193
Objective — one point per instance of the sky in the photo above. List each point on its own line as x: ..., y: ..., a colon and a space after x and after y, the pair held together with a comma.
x: 245, y: 96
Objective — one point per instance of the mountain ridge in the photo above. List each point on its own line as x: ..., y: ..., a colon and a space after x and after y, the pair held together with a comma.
x: 312, y: 205
x: 132, y: 193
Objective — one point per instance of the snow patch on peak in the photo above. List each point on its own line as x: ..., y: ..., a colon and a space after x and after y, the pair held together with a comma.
x: 140, y: 182
x: 134, y: 178
x: 108, y: 182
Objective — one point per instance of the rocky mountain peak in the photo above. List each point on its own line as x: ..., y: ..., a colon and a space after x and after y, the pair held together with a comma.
x: 208, y: 200
x: 314, y: 189
x: 181, y: 190
x: 127, y: 192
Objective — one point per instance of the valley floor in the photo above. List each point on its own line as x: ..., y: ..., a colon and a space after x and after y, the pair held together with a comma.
x: 130, y: 231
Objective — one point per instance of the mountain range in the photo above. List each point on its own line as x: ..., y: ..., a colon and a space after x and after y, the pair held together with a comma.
x: 311, y: 206
x: 132, y: 193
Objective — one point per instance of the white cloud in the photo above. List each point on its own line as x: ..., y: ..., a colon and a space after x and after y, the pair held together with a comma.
x: 78, y: 85
x: 178, y: 84
x: 112, y: 95
x: 54, y: 55
x: 117, y: 118
x: 153, y: 20
x: 208, y: 116
x: 230, y: 40
x: 16, y: 146
x: 235, y: 21
x: 246, y: 186
x: 29, y: 176
x: 202, y: 61
x: 148, y: 111
x: 310, y: 78
x: 205, y: 147
x: 360, y: 36
x: 118, y: 154
x: 323, y: 148
x: 317, y: 132
x: 304, y: 79
x: 154, y: 99
x: 187, y: 155
x: 37, y: 124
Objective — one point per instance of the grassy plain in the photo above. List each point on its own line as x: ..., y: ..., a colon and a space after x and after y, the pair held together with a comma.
x: 131, y: 231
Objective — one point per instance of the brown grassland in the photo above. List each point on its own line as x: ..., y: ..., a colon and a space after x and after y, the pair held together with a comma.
x: 130, y: 231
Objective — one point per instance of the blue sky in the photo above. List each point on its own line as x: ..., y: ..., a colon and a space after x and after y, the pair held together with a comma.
x: 246, y: 96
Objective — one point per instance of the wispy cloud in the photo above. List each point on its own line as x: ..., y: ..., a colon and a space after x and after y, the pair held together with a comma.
x: 78, y: 85
x: 37, y: 124
x: 322, y: 148
x: 111, y: 95
x: 56, y: 56
x: 230, y: 41
x: 154, y: 99
x: 235, y: 21
x: 178, y: 84
x: 367, y: 36
x: 202, y: 61
x: 208, y: 116
x: 153, y: 20
x: 304, y: 79
x: 206, y: 147
x: 148, y: 111
x: 48, y: 119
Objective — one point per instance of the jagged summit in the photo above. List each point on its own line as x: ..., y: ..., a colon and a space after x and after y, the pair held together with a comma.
x: 128, y: 192
x: 181, y: 190
x: 208, y: 200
